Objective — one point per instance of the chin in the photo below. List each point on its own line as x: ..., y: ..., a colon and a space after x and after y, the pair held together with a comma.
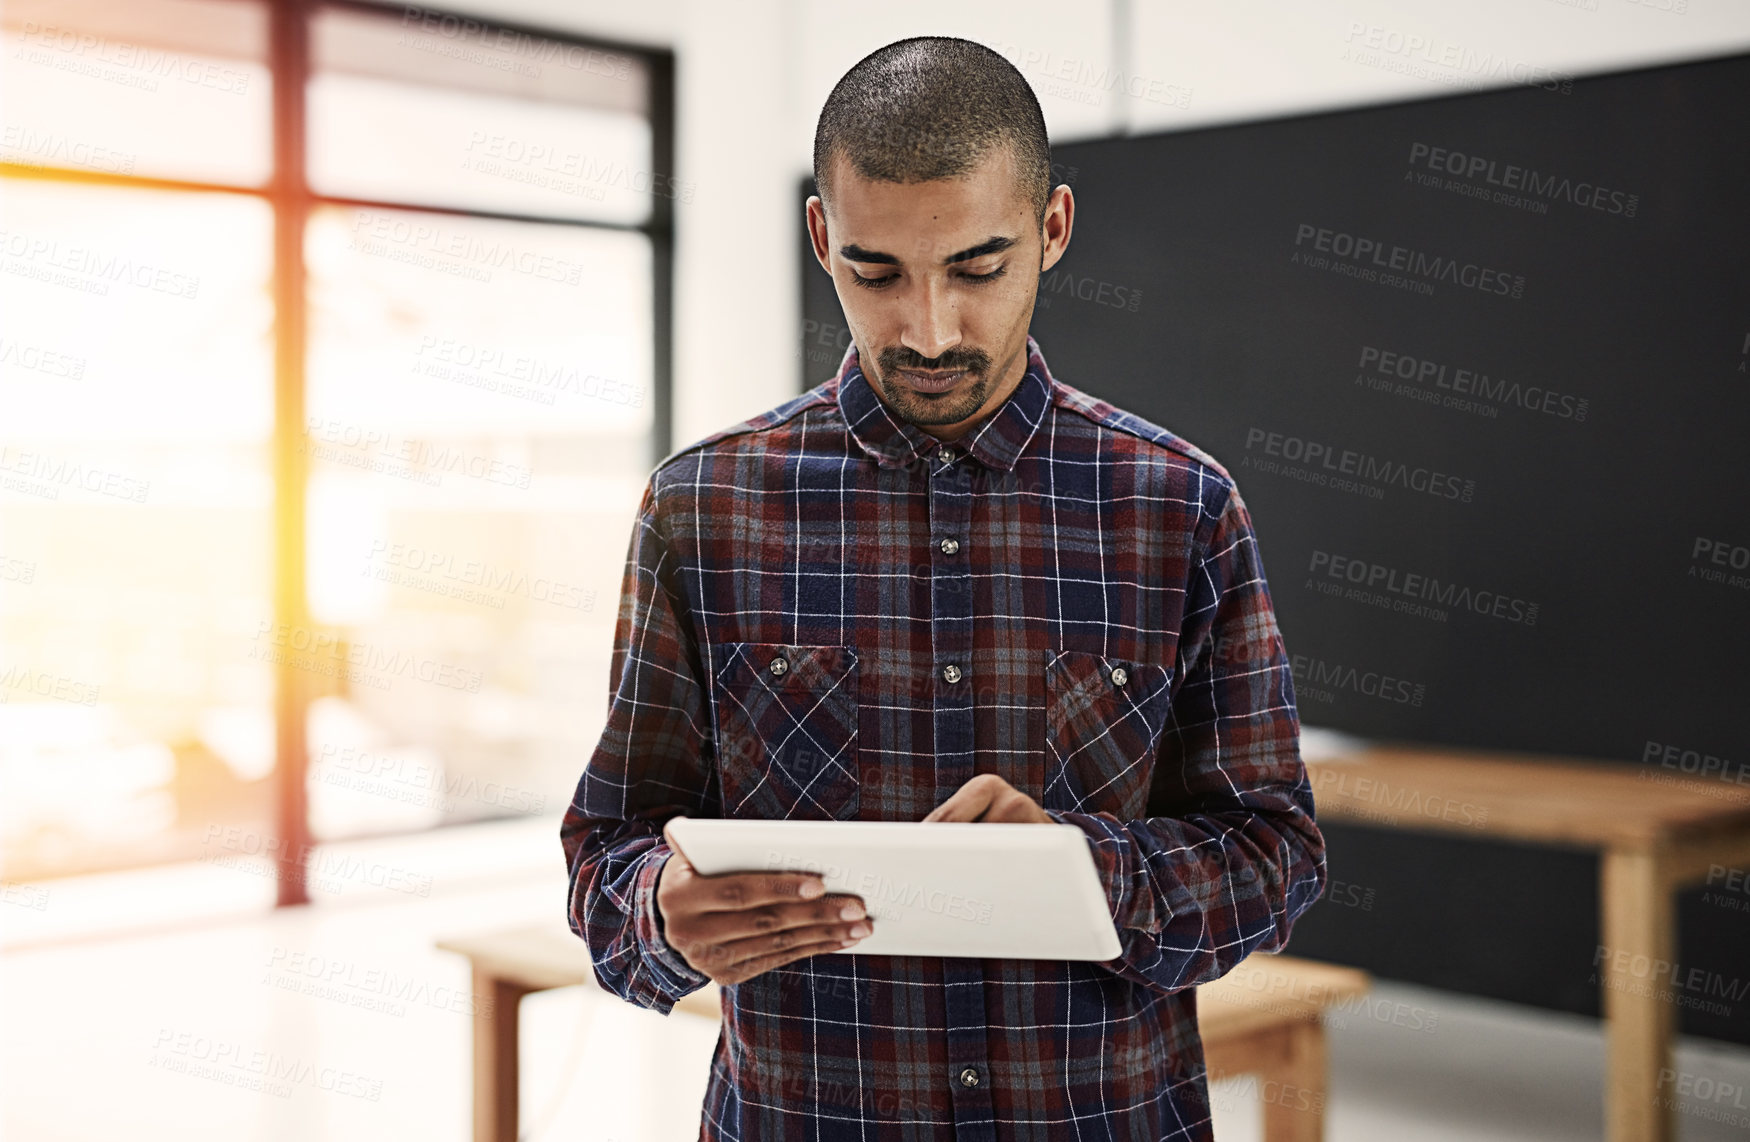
x: 933, y: 411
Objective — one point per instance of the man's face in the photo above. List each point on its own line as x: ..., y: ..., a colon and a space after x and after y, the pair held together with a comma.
x: 937, y: 281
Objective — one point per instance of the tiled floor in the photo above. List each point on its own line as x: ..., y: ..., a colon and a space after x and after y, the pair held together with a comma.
x: 340, y: 1022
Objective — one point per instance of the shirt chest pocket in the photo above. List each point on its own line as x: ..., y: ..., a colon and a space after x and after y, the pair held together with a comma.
x: 787, y: 731
x: 1103, y: 718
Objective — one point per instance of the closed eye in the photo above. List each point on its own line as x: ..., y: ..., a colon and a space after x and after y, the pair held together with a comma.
x: 871, y: 283
x: 881, y: 283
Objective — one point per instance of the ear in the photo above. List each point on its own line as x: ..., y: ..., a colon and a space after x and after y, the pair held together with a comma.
x: 1060, y: 216
x: 814, y: 212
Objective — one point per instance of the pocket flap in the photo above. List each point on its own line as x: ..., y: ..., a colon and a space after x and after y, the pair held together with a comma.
x: 1102, y: 718
x: 787, y: 731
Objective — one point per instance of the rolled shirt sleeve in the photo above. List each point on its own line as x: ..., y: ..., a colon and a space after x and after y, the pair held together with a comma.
x: 1229, y: 855
x: 653, y: 761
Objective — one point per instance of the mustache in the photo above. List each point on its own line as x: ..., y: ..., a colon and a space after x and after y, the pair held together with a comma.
x: 970, y: 360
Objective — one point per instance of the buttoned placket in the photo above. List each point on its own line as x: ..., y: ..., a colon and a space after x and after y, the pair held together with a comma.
x: 953, y: 679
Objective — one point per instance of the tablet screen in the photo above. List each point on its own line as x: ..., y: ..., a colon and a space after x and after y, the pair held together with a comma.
x: 992, y: 891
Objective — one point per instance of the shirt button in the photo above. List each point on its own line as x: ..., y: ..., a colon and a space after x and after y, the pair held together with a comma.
x: 779, y: 666
x: 948, y: 455
x: 950, y: 673
x: 1120, y: 676
x: 950, y: 546
x: 969, y: 1077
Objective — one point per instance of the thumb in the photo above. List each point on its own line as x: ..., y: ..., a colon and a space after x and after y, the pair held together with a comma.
x: 673, y: 846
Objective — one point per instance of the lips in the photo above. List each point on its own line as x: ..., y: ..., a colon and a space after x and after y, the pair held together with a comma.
x: 932, y: 382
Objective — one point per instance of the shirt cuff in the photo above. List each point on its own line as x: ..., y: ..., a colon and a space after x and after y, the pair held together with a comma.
x: 676, y: 975
x: 1123, y: 874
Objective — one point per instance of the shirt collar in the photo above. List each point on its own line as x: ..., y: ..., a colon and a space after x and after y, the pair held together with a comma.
x: 996, y: 442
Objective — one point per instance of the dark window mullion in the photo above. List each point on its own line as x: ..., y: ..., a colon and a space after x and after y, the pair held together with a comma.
x: 661, y: 71
x: 289, y: 63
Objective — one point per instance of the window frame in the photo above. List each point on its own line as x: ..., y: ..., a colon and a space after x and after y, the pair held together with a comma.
x: 291, y: 200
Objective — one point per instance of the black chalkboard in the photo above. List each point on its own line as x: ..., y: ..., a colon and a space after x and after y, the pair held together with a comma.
x: 1480, y: 366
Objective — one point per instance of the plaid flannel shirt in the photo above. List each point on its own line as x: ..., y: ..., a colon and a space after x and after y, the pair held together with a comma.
x: 1097, y: 583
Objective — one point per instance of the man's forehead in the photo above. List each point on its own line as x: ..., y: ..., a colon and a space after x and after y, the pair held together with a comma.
x: 938, y: 220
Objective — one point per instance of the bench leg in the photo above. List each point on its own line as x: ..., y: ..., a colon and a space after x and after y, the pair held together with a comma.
x: 1294, y: 1086
x: 1289, y: 1059
x: 1639, y: 922
x: 495, y: 1058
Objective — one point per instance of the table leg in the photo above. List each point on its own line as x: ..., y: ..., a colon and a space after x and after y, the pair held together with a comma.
x: 1639, y: 922
x: 495, y: 1058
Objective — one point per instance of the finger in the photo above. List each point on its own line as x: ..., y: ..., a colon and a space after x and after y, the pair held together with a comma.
x: 734, y: 925
x: 737, y: 952
x: 762, y: 964
x: 1017, y: 810
x: 717, y: 959
x: 734, y: 891
x: 967, y: 804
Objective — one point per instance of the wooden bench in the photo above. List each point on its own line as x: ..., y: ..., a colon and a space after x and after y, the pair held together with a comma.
x: 1655, y: 830
x: 1263, y: 1018
x: 1266, y: 1018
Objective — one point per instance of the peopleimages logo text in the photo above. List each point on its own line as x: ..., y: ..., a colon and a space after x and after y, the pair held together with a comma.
x: 1372, y: 576
x: 1511, y: 176
x: 1348, y: 462
x: 1403, y: 259
x: 1432, y: 374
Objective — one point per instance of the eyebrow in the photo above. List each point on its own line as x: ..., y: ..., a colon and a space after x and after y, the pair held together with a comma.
x: 856, y: 253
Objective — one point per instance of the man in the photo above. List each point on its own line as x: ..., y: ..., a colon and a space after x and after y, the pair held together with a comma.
x: 944, y: 585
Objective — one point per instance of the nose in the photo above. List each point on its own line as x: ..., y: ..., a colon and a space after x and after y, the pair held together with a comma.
x: 932, y: 321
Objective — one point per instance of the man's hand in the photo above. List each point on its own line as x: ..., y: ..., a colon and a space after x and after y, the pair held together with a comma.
x: 988, y: 797
x: 738, y: 925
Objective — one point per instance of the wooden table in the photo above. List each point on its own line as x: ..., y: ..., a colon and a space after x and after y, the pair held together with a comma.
x: 1656, y: 830
x: 1265, y: 1018
x: 509, y: 964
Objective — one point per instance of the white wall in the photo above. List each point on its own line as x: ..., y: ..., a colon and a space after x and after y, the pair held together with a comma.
x: 753, y: 74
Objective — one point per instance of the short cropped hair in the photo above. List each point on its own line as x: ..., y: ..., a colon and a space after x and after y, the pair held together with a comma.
x: 933, y: 107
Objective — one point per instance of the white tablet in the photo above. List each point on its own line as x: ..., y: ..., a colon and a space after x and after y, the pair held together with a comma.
x: 939, y: 889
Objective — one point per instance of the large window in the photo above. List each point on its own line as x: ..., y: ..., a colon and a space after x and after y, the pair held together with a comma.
x: 334, y: 361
